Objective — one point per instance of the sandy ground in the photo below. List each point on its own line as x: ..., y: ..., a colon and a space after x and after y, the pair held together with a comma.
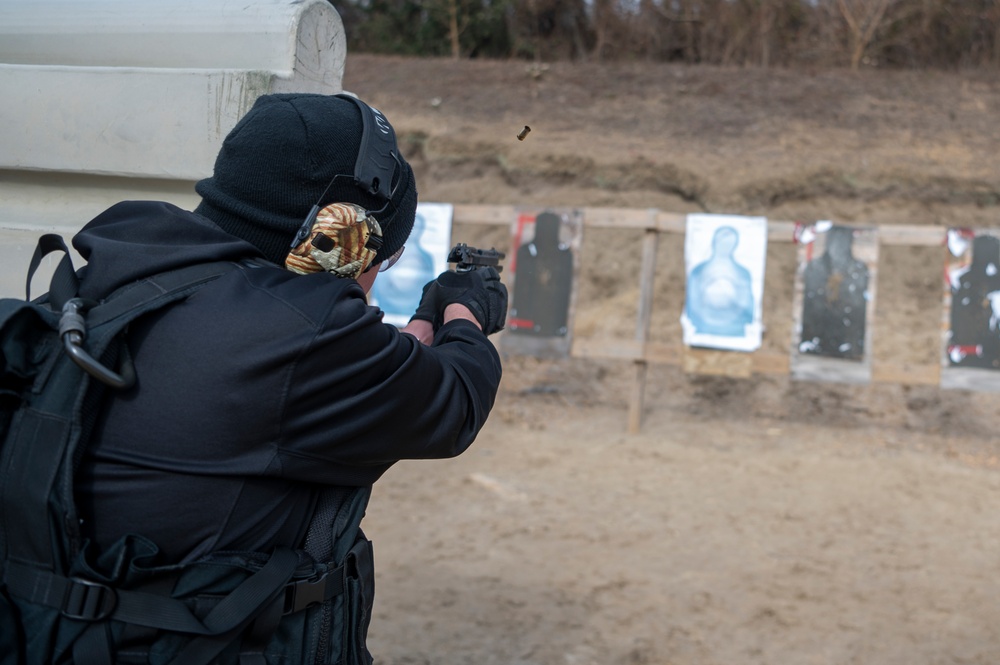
x: 696, y: 542
x: 751, y: 521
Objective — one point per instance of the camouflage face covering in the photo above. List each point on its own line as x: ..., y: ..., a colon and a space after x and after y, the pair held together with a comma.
x: 337, y: 243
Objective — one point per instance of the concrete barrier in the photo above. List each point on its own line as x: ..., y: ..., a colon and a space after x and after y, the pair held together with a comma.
x: 108, y: 100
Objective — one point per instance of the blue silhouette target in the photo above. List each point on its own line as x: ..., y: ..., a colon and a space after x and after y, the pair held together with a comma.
x: 724, y: 256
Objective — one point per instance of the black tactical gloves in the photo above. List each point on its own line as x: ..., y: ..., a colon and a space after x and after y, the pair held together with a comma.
x: 479, y: 289
x: 428, y: 310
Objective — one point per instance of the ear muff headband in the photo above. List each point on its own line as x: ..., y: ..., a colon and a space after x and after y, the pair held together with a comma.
x: 376, y: 163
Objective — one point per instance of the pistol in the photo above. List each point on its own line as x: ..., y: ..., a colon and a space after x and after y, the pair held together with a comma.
x: 468, y: 258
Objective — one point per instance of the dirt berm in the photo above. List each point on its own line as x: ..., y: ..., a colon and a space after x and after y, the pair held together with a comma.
x: 753, y: 521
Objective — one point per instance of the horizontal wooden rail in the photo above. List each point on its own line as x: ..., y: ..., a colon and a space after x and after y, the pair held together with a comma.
x: 641, y: 352
x: 670, y: 222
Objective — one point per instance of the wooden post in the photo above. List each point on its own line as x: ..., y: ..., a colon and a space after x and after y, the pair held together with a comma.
x: 647, y: 275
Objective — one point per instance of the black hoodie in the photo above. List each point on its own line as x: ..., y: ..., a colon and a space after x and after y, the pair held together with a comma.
x: 259, y: 388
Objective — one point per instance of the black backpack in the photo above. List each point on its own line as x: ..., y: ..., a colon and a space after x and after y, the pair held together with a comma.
x: 62, y: 602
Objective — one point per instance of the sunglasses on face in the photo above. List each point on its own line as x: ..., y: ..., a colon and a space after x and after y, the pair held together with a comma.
x: 389, y: 262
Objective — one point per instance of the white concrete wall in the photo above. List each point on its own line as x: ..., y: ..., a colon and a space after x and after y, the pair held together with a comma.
x: 107, y: 100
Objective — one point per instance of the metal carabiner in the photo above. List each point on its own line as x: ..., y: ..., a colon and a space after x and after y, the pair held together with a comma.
x: 72, y: 330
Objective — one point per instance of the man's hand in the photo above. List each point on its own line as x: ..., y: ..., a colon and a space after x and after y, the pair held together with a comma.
x: 429, y: 309
x: 480, y: 290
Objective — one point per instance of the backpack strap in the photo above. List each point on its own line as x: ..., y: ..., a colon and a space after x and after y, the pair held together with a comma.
x: 87, y: 601
x: 64, y: 284
x: 130, y: 302
x: 36, y: 460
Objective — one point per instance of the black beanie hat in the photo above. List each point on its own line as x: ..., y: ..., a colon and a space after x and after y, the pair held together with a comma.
x: 278, y: 159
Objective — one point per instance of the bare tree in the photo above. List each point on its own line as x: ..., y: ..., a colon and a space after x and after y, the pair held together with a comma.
x: 766, y: 18
x: 453, y: 30
x: 863, y: 18
x: 602, y: 14
x: 765, y: 33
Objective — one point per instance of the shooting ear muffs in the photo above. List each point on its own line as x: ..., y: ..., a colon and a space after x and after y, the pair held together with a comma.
x: 345, y: 232
x: 378, y: 156
x: 342, y: 240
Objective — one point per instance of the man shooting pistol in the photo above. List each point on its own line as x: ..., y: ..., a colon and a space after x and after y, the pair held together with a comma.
x: 472, y: 291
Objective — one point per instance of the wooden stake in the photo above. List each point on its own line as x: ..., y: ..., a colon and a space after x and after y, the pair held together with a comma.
x: 647, y: 276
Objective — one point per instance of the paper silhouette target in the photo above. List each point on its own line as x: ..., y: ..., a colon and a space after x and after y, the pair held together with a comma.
x: 397, y: 291
x: 724, y: 258
x: 971, y: 318
x: 834, y: 302
x: 542, y: 277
